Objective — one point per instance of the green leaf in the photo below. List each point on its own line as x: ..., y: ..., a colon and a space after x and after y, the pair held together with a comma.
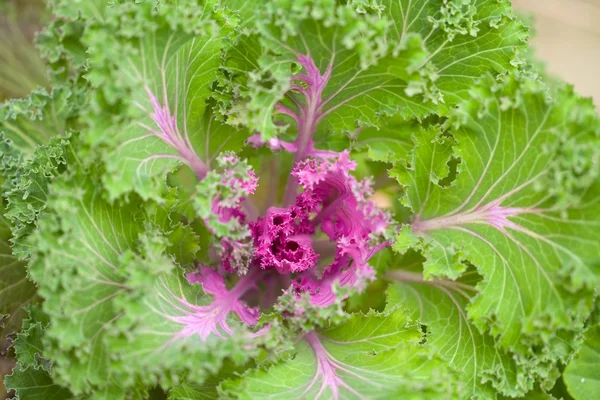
x: 31, y: 153
x: 35, y: 384
x: 87, y: 9
x: 388, y: 143
x: 441, y: 305
x: 60, y: 45
x: 33, y: 150
x: 581, y: 375
x: 531, y: 234
x: 29, y: 343
x: 463, y: 41
x: 26, y: 189
x: 16, y: 291
x: 161, y: 68
x: 412, y: 57
x: 116, y: 299
x: 188, y: 390
x: 369, y: 356
x: 30, y: 122
x: 31, y: 378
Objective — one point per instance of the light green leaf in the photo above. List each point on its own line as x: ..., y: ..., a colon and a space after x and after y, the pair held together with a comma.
x: 33, y: 150
x: 506, y: 213
x: 441, y: 305
x: 389, y: 143
x: 141, y: 157
x: 187, y: 391
x: 582, y: 375
x: 159, y: 115
x: 207, y: 390
x: 412, y: 57
x: 117, y: 301
x: 85, y: 9
x: 246, y: 11
x: 26, y: 189
x: 464, y: 40
x: 30, y: 122
x: 369, y: 356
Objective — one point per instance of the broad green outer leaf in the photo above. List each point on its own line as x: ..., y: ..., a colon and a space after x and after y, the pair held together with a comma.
x: 207, y: 390
x: 86, y: 9
x: 26, y: 126
x: 78, y: 276
x: 464, y: 40
x: 174, y: 64
x: 441, y: 305
x: 416, y: 56
x: 29, y: 157
x: 370, y: 356
x: 27, y: 189
x: 141, y: 157
x: 582, y: 375
x: 502, y: 213
x: 33, y: 145
x: 113, y: 293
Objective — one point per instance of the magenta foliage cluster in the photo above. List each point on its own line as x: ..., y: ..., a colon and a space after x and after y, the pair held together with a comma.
x: 322, y: 237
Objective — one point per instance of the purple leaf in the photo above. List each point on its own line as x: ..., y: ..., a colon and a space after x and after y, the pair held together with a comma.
x: 213, y: 318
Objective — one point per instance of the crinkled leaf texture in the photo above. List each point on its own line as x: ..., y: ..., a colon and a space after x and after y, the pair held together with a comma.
x: 119, y: 305
x: 530, y: 233
x: 408, y: 57
x: 164, y: 74
x: 31, y: 378
x: 16, y: 291
x: 373, y: 356
x: 113, y: 192
x: 32, y: 152
x: 40, y: 116
x: 441, y: 305
x: 30, y: 155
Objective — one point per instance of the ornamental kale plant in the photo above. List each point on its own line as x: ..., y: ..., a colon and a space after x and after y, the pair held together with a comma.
x: 359, y: 199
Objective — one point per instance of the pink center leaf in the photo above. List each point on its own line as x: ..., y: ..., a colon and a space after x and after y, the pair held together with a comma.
x: 282, y: 240
x: 338, y: 205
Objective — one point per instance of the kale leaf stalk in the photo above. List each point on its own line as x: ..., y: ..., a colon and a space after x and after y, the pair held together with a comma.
x: 170, y: 134
x: 309, y: 114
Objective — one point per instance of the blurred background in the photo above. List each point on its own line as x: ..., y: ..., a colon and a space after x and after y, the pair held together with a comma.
x: 21, y: 68
x: 566, y: 38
